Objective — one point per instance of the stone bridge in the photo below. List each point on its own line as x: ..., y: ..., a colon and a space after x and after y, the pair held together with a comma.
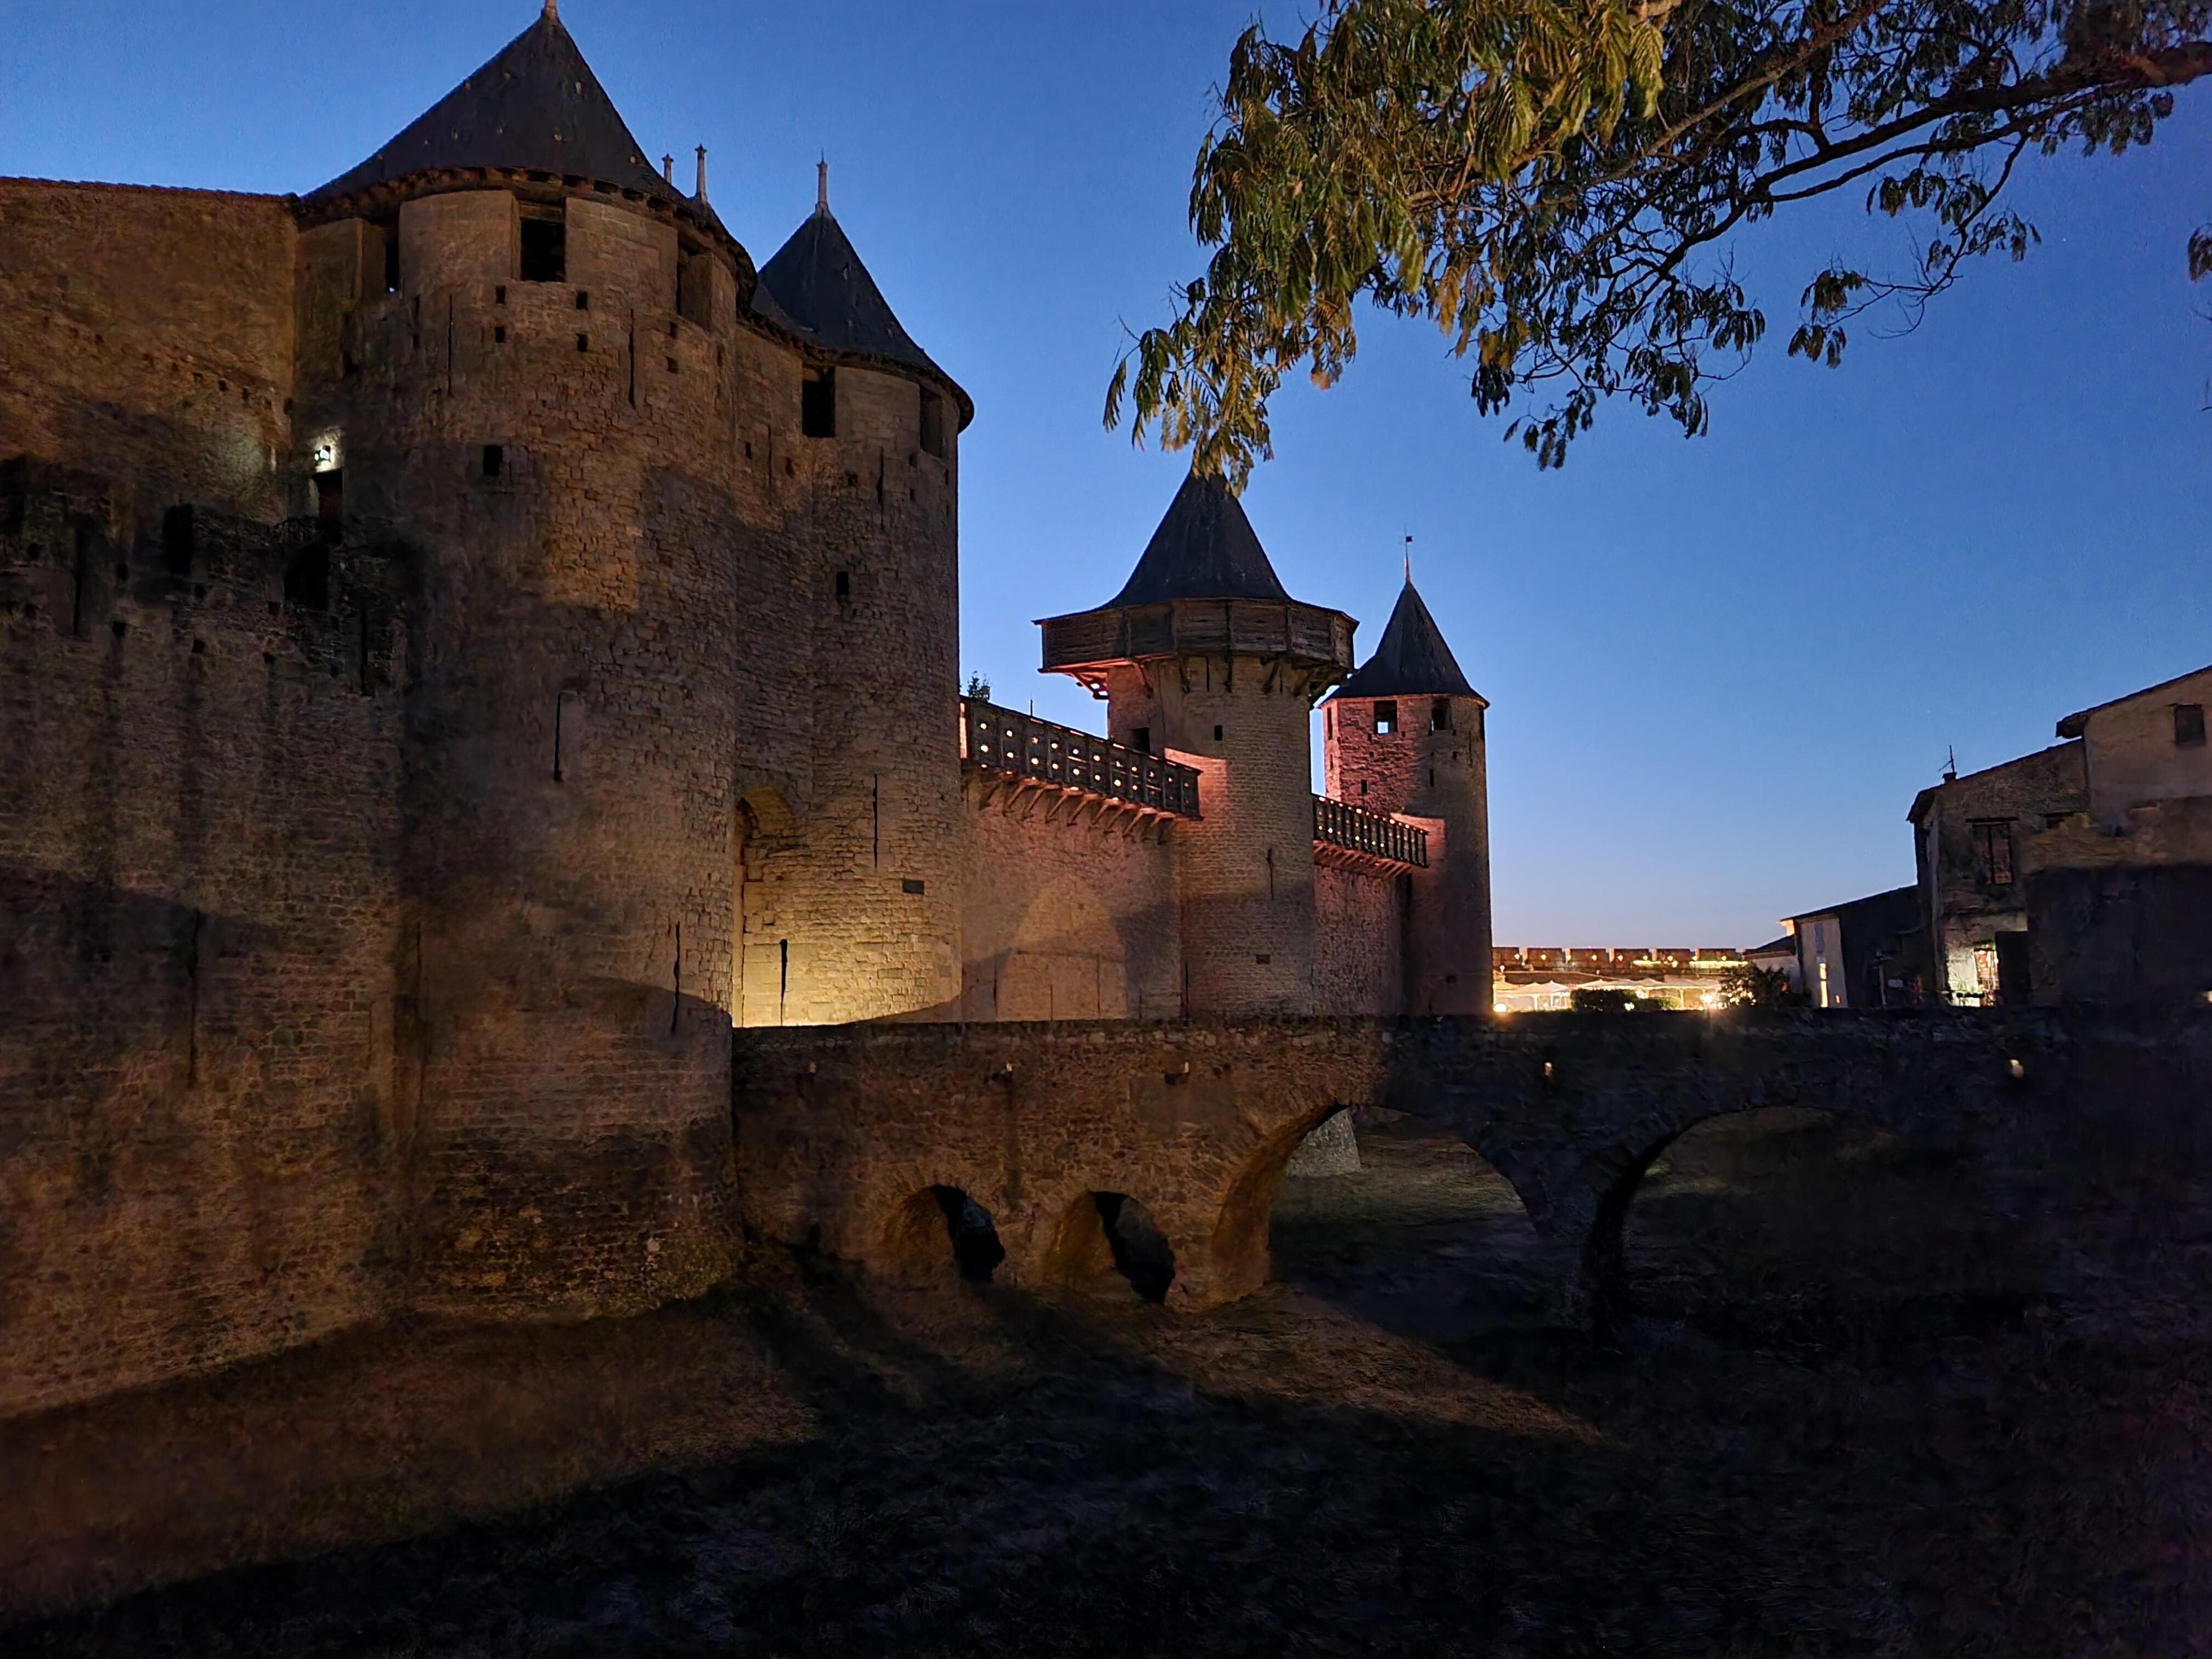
x: 842, y: 1132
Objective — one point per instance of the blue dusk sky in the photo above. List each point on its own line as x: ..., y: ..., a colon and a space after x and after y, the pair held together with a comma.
x: 1718, y: 669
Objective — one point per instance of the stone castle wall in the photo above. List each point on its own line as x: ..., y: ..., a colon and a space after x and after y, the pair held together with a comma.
x: 1067, y: 918
x: 146, y: 335
x: 204, y: 1118
x: 384, y: 885
x: 1359, y: 939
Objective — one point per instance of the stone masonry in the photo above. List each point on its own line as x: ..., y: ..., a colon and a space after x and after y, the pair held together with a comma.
x: 472, y: 641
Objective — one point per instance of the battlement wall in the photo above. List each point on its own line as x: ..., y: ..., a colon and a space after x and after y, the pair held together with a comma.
x: 203, y: 1103
x: 1359, y: 939
x: 1068, y: 910
x: 147, y: 335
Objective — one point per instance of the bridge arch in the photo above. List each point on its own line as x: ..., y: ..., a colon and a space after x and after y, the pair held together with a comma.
x: 938, y: 1230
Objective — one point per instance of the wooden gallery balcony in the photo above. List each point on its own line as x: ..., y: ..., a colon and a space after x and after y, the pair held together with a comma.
x: 1023, y: 764
x: 1348, y: 834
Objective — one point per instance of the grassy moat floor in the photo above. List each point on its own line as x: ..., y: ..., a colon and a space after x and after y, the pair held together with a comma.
x: 1851, y: 1413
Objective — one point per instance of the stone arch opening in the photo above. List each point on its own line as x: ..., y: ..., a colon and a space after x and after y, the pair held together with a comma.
x: 1103, y: 1236
x: 1818, y: 1221
x: 759, y: 959
x: 941, y: 1225
x: 1423, y: 1234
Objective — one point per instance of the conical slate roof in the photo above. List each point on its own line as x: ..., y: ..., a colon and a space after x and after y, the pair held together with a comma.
x: 817, y: 284
x: 536, y: 106
x: 1203, y: 549
x: 1412, y: 660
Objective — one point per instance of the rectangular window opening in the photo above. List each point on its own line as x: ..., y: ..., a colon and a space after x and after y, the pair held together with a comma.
x: 818, y: 404
x: 177, y: 538
x: 499, y: 294
x: 495, y: 460
x: 1386, y: 719
x: 330, y: 498
x: 1992, y: 842
x: 844, y: 584
x: 1440, y: 714
x: 545, y: 252
x: 1217, y: 735
x: 2189, y: 726
x: 932, y: 424
x: 1141, y: 739
x: 499, y: 335
x: 583, y: 343
x: 910, y: 886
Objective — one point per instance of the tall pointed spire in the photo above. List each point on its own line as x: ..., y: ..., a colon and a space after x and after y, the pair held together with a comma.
x: 1413, y: 660
x: 822, y: 187
x: 1204, y: 549
x: 536, y: 106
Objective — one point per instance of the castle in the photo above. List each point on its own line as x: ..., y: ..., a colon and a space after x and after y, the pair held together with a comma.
x: 471, y: 639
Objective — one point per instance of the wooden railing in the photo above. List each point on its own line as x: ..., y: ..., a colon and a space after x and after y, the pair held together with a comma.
x: 1339, y: 824
x: 1006, y: 741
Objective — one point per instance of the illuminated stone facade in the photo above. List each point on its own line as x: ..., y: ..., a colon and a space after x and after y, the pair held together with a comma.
x: 470, y: 639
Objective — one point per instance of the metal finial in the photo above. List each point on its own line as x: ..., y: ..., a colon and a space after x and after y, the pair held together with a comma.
x: 699, y: 194
x: 1409, y: 560
x: 822, y: 186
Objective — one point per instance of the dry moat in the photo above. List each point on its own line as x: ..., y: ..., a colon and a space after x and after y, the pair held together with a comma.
x: 1856, y: 1408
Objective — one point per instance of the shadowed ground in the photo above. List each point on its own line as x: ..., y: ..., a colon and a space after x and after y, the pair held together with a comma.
x: 1855, y: 1409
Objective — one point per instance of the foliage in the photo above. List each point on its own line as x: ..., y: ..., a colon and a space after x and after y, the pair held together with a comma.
x: 1551, y: 180
x: 1750, y: 985
x: 1600, y: 1000
x: 978, y: 689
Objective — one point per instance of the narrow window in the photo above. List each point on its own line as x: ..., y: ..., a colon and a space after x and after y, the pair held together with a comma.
x: 545, y: 252
x: 1440, y: 714
x: 82, y: 584
x: 1386, y: 719
x: 910, y: 886
x: 1141, y: 739
x: 2189, y: 726
x: 844, y: 584
x: 671, y: 366
x: 330, y: 498
x: 499, y: 294
x: 818, y: 404
x: 583, y: 301
x: 1217, y: 735
x: 932, y: 424
x: 177, y: 539
x: 499, y: 335
x: 1992, y: 842
x: 495, y: 460
x: 583, y: 343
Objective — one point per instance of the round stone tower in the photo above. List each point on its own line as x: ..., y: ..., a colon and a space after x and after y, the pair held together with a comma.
x: 851, y: 909
x: 1405, y: 735
x: 518, y: 365
x: 1202, y: 655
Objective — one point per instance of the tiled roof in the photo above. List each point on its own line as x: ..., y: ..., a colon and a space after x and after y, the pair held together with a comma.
x: 535, y: 105
x: 1204, y: 549
x: 1413, y: 660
